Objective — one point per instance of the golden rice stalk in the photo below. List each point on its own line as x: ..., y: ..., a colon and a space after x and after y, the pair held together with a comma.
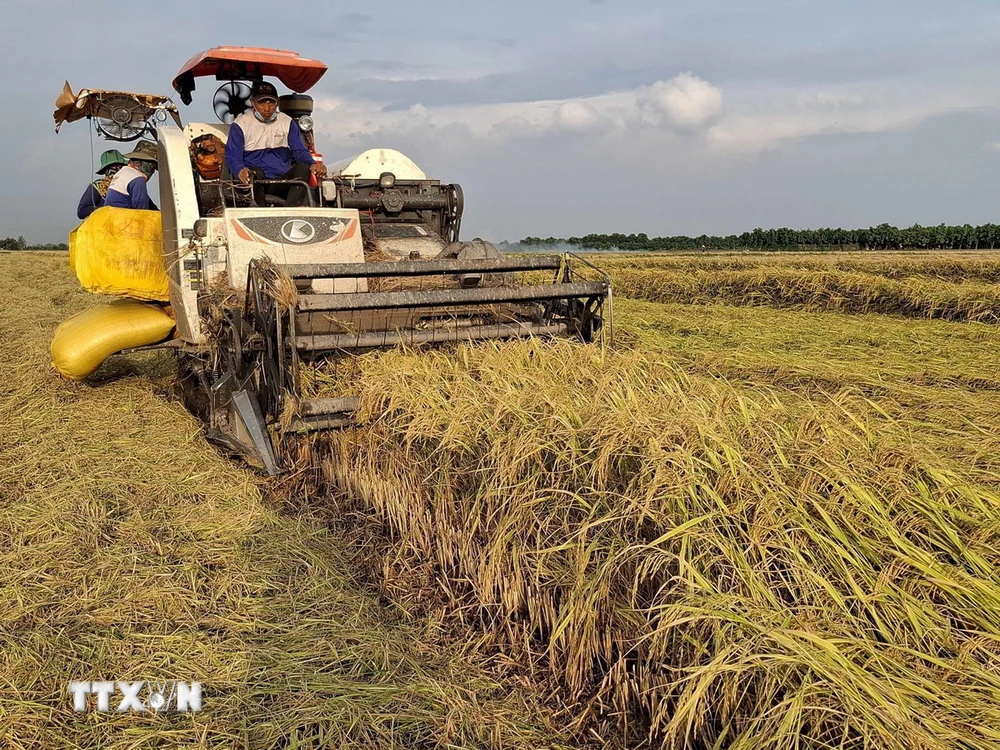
x: 714, y: 565
x: 131, y: 550
x: 278, y: 284
x: 956, y: 267
x: 815, y: 290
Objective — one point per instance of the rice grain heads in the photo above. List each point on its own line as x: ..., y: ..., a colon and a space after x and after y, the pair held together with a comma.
x: 699, y: 564
x: 841, y: 291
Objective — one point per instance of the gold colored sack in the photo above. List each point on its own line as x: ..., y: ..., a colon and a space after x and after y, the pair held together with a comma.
x: 119, y: 251
x: 82, y: 343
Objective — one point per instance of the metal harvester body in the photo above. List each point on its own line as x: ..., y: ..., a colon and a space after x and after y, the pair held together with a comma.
x: 374, y: 260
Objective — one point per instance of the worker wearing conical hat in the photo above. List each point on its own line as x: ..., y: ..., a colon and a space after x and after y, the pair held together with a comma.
x: 128, y: 188
x: 93, y: 197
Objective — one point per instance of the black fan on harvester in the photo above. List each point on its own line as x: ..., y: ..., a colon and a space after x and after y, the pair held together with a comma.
x: 231, y: 100
x: 121, y: 117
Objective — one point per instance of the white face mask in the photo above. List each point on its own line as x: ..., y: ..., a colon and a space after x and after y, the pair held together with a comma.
x: 260, y: 117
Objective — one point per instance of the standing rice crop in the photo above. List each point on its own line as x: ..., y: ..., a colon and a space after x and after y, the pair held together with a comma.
x: 954, y: 267
x: 690, y: 561
x: 815, y: 290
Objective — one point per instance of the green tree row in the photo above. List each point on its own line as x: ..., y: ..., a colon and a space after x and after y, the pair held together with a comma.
x: 882, y: 237
x: 19, y: 243
x: 11, y: 243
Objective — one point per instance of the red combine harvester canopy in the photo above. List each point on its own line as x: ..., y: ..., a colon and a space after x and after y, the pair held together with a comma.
x: 249, y: 64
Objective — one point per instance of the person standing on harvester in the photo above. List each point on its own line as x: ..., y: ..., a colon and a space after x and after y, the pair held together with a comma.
x: 93, y: 197
x: 128, y: 188
x: 267, y: 145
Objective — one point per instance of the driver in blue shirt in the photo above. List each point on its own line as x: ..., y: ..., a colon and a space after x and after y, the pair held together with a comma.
x: 267, y: 145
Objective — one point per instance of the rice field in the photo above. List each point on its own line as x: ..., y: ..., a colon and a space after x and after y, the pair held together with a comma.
x: 919, y: 288
x: 767, y: 517
x: 954, y: 266
x: 131, y: 550
x: 752, y: 524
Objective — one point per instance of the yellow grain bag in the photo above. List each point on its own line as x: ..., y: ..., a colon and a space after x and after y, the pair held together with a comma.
x: 81, y: 343
x: 119, y: 251
x: 72, y: 250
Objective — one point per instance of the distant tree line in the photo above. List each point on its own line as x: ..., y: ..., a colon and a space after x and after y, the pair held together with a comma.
x: 10, y: 243
x: 882, y: 237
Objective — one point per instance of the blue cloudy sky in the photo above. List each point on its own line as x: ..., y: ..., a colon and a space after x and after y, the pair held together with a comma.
x: 564, y: 117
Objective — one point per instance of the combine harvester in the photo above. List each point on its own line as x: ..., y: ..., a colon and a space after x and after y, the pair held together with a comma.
x: 374, y: 260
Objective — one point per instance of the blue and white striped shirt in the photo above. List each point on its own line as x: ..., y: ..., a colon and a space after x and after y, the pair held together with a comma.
x: 269, y: 146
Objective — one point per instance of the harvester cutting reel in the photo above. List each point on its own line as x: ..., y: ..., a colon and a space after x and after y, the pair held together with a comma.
x: 248, y: 386
x: 248, y: 379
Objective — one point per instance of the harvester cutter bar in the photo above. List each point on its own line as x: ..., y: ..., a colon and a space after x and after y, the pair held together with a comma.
x: 318, y: 423
x: 324, y: 414
x: 421, y: 268
x: 436, y: 297
x: 360, y: 321
x: 312, y: 407
x: 374, y: 339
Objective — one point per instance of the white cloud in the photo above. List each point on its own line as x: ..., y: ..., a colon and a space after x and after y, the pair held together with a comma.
x: 834, y: 99
x: 684, y: 101
x: 755, y: 133
x: 578, y: 116
x: 760, y: 121
x: 683, y: 107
